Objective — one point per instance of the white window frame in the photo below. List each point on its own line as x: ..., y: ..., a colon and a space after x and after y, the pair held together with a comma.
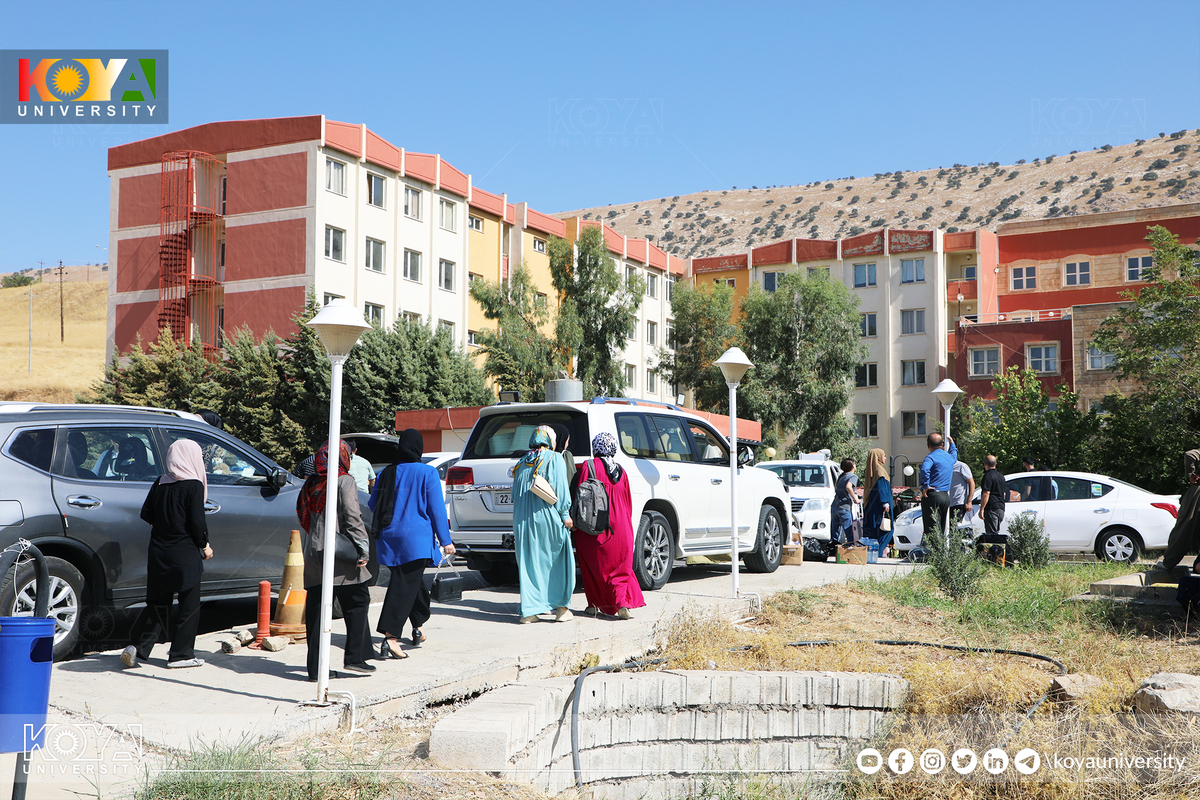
x: 446, y: 274
x: 374, y: 180
x: 412, y: 263
x: 1029, y: 358
x: 870, y: 375
x: 918, y: 372
x: 916, y: 267
x: 869, y: 272
x: 971, y: 366
x: 333, y: 168
x: 970, y: 272
x: 373, y: 313
x: 447, y: 211
x: 866, y: 426
x: 446, y: 325
x: 471, y: 339
x: 331, y: 296
x: 330, y: 232
x: 652, y: 333
x: 671, y: 287
x: 770, y: 281
x: 669, y: 341
x: 1099, y: 359
x: 917, y: 317
x: 539, y: 245
x: 1141, y: 263
x: 868, y: 325
x: 630, y: 376
x: 1077, y: 273
x: 374, y: 252
x: 919, y: 426
x: 412, y: 202
x: 651, y: 380
x: 475, y: 223
x: 1026, y: 275
x: 651, y: 284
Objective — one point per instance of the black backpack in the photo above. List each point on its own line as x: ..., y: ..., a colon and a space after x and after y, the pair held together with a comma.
x: 589, y: 510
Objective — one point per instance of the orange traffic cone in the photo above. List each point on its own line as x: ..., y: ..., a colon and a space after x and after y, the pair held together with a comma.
x: 289, y: 609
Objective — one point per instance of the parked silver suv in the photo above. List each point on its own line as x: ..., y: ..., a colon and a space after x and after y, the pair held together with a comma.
x: 72, y: 482
x: 678, y: 467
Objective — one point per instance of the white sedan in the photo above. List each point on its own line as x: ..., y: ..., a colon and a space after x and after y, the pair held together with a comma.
x: 1083, y: 513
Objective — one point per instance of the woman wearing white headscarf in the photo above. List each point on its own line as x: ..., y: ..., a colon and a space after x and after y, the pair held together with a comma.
x: 178, y: 544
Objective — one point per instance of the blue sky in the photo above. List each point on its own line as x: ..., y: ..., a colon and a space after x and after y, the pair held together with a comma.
x: 570, y: 105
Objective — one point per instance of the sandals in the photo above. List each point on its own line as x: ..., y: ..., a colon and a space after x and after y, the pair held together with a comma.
x: 389, y: 649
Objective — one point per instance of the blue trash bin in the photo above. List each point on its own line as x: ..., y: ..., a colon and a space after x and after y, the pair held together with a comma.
x: 26, y: 656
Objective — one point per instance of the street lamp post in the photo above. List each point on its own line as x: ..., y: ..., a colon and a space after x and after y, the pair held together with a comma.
x: 947, y: 392
x: 338, y: 326
x: 733, y: 363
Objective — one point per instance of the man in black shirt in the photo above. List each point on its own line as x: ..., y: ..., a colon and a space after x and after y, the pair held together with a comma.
x: 992, y: 499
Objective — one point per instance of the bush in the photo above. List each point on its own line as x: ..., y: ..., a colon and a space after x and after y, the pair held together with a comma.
x: 1028, y: 544
x: 1160, y: 163
x: 955, y: 568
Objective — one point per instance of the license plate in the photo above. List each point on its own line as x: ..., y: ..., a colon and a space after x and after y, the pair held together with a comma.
x: 503, y: 498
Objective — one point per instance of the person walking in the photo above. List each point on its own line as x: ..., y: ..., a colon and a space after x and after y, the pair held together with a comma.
x: 1185, y: 536
x: 562, y: 438
x: 992, y: 499
x: 543, y: 544
x: 350, y: 573
x: 360, y: 469
x: 178, y: 546
x: 962, y: 489
x: 936, y: 470
x: 410, y: 523
x: 878, y: 506
x: 845, y: 498
x: 606, y: 559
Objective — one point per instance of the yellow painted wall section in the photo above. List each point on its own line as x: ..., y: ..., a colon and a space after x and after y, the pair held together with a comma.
x: 484, y: 260
x: 741, y: 285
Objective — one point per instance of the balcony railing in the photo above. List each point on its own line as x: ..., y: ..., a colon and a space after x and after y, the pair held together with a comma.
x: 1041, y: 315
x: 968, y: 289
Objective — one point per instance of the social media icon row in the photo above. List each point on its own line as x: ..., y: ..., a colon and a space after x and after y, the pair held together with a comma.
x: 964, y: 761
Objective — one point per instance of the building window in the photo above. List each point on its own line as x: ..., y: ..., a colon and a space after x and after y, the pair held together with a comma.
x: 475, y: 223
x: 1098, y: 359
x: 912, y: 423
x: 335, y: 243
x: 652, y: 333
x: 374, y: 255
x: 412, y: 317
x: 730, y: 282
x: 671, y: 334
x: 471, y: 339
x: 818, y: 272
x: 539, y: 245
x: 335, y: 176
x: 224, y: 192
x: 412, y: 202
x: 541, y: 301
x: 671, y: 287
x: 221, y: 261
x: 652, y: 284
x: 446, y: 274
x: 330, y: 296
x: 1079, y: 273
x: 630, y: 375
x: 374, y: 314
x: 447, y: 326
x: 867, y: 322
x: 412, y: 265
x: 630, y: 274
x: 770, y: 281
x: 866, y: 375
x: 473, y: 278
x: 985, y: 361
x: 912, y: 321
x: 969, y: 272
x: 632, y: 336
x: 1137, y: 267
x: 1024, y: 278
x: 651, y: 381
x: 866, y: 426
x: 912, y: 270
x: 447, y: 215
x: 1042, y: 358
x: 864, y: 275
x: 912, y: 373
x: 375, y: 189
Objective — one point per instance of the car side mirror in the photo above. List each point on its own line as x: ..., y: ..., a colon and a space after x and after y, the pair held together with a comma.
x: 745, y: 456
x: 278, y: 478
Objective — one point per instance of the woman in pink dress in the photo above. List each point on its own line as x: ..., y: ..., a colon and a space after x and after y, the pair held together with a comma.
x: 606, y: 561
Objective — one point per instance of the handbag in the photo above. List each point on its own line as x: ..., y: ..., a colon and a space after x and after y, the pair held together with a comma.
x: 446, y: 588
x: 885, y: 524
x: 542, y: 488
x: 344, y: 549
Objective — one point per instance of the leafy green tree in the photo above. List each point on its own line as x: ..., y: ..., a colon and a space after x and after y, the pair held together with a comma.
x: 14, y: 281
x: 517, y: 354
x: 598, y: 311
x: 170, y: 375
x: 703, y: 331
x: 256, y: 396
x: 804, y: 341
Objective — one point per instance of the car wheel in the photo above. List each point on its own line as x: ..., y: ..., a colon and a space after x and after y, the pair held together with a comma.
x: 501, y: 573
x: 769, y: 547
x: 653, y: 551
x: 815, y: 549
x: 1118, y: 544
x: 17, y: 599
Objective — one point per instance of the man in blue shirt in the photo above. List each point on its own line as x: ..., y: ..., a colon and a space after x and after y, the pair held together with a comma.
x: 936, y: 472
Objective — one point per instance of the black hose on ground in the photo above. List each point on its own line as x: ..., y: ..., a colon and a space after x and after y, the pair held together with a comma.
x: 575, y: 705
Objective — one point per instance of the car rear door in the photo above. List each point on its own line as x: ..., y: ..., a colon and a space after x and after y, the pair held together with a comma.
x: 27, y: 509
x: 1076, y: 510
x: 1027, y: 494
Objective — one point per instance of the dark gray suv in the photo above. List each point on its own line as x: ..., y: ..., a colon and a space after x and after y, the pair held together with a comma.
x: 72, y: 482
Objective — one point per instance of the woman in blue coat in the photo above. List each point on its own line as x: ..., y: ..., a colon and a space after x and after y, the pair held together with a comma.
x: 878, y: 505
x: 543, y: 531
x: 410, y: 523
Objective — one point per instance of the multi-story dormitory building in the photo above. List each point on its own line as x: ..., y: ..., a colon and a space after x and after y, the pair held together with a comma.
x: 232, y: 223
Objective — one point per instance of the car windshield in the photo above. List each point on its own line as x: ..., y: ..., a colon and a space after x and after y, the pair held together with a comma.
x: 794, y: 475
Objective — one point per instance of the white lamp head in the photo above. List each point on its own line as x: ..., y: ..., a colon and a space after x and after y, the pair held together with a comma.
x: 338, y: 325
x: 908, y: 470
x: 733, y: 364
x: 947, y: 392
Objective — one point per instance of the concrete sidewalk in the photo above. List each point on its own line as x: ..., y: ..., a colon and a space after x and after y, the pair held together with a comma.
x: 99, y: 710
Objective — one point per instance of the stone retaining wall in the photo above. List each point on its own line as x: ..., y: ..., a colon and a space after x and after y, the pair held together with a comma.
x: 656, y: 733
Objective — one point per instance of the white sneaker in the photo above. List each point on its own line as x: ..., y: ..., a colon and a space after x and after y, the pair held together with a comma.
x: 562, y: 614
x: 187, y: 662
x: 129, y: 656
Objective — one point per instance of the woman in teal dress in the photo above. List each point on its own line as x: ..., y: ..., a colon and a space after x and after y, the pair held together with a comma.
x: 542, y: 532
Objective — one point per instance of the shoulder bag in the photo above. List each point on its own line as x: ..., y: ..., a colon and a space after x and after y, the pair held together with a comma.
x: 541, y: 487
x: 446, y: 588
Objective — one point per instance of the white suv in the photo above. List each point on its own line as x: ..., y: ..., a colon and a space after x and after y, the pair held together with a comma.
x: 811, y: 481
x: 678, y: 467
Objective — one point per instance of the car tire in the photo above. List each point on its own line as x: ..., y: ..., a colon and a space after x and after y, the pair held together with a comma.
x: 67, y: 590
x: 653, y: 551
x: 768, y: 549
x: 816, y: 549
x: 1119, y: 544
x: 501, y: 573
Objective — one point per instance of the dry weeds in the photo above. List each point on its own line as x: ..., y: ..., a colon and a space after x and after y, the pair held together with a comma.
x: 60, y: 369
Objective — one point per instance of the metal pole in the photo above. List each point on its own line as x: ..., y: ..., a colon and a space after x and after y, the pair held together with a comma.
x: 335, y: 428
x: 62, y: 329
x: 946, y: 446
x: 31, y: 329
x: 733, y: 527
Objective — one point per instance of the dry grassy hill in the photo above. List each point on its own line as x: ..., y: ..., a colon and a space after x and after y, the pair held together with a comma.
x: 1155, y: 172
x: 60, y: 369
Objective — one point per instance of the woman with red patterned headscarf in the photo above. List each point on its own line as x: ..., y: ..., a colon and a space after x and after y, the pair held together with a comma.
x: 350, y: 572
